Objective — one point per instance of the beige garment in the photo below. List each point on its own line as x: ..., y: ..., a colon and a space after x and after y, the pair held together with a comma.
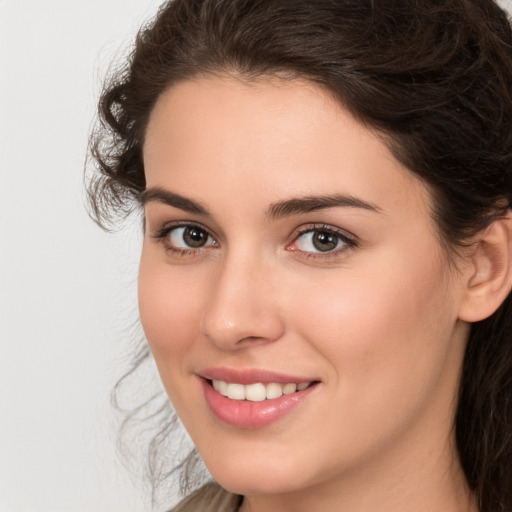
x: 209, y: 498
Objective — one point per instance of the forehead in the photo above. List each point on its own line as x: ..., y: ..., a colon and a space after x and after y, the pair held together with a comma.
x: 231, y: 139
x: 220, y: 106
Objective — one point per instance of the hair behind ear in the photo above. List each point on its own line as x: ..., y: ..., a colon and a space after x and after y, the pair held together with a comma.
x: 484, y: 412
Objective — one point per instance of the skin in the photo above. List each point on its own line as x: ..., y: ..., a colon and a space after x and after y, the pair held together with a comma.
x: 377, y: 323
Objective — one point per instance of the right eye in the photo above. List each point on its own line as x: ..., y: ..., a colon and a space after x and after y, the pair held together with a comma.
x: 185, y: 238
x: 189, y: 237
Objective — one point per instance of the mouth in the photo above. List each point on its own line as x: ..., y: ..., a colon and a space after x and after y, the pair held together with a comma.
x: 257, y: 392
x: 253, y: 399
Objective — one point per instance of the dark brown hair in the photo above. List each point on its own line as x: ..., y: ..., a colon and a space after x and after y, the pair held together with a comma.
x: 434, y: 77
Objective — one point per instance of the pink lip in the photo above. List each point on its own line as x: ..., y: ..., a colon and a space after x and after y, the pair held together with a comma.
x: 244, y: 413
x: 251, y: 376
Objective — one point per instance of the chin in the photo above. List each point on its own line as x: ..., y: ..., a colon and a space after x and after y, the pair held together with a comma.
x: 256, y: 483
x: 258, y: 475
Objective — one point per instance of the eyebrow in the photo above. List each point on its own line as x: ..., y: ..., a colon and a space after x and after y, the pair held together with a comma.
x: 278, y: 210
x: 308, y: 204
x: 161, y: 195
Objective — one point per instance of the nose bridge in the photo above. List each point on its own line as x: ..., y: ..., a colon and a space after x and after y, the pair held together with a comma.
x: 242, y: 307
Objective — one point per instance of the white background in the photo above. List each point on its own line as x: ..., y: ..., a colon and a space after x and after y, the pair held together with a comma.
x: 67, y: 290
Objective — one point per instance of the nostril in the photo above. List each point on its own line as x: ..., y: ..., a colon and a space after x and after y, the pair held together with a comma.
x: 233, y: 318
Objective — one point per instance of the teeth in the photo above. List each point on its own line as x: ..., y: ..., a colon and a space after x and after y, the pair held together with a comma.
x: 274, y: 390
x: 289, y: 388
x: 221, y: 387
x: 236, y: 391
x: 257, y: 392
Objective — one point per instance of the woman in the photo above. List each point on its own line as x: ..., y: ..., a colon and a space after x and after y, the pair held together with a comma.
x: 326, y: 267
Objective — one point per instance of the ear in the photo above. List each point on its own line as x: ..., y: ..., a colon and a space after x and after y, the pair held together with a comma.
x: 489, y: 276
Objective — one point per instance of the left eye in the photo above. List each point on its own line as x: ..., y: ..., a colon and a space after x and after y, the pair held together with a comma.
x: 319, y: 240
x: 189, y: 237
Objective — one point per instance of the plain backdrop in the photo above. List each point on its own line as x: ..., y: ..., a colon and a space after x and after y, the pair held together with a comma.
x: 67, y: 290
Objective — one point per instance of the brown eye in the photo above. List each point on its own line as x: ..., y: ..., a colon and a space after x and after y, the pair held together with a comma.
x: 324, y: 241
x: 195, y: 237
x: 190, y: 237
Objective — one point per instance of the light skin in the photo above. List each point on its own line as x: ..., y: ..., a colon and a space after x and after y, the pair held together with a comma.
x: 380, y: 317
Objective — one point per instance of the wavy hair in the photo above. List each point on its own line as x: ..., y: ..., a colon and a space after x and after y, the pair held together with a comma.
x: 434, y: 77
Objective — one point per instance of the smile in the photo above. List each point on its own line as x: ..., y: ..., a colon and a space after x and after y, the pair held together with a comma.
x: 254, y: 398
x: 257, y: 392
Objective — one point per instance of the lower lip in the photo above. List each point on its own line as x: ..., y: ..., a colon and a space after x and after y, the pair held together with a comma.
x: 247, y: 414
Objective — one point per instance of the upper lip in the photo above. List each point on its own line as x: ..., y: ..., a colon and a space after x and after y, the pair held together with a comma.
x: 250, y: 376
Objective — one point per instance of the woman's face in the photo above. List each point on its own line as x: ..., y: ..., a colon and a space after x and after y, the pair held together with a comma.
x: 285, y: 245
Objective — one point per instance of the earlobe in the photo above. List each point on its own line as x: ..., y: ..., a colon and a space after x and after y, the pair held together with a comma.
x: 489, y: 279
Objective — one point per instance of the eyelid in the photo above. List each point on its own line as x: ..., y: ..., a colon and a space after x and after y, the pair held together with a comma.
x: 349, y: 240
x: 169, y: 226
x: 162, y: 233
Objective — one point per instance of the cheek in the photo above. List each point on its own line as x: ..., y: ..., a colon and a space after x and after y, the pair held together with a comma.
x: 169, y: 306
x: 382, y: 331
x: 386, y: 337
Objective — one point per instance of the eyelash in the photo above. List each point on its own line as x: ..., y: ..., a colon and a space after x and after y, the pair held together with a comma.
x: 162, y: 234
x: 348, y: 241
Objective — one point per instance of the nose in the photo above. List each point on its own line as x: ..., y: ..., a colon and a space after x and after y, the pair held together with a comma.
x: 242, y: 308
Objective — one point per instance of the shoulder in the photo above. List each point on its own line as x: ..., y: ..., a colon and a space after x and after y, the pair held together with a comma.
x: 209, y: 498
